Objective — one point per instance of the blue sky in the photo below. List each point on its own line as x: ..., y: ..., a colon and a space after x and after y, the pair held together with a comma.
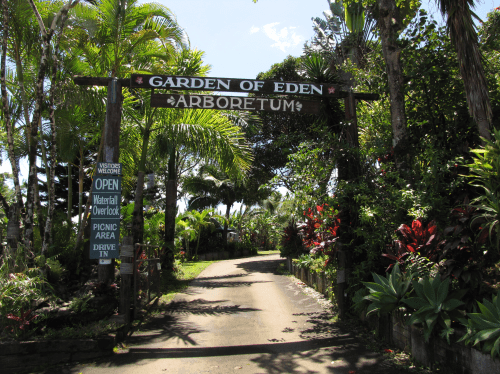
x: 241, y: 39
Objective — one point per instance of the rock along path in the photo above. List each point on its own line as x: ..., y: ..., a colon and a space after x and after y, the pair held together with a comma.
x: 239, y: 316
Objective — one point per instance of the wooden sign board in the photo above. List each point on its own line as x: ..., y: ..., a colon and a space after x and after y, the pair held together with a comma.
x: 105, y: 219
x: 181, y: 83
x: 234, y: 103
x: 109, y: 168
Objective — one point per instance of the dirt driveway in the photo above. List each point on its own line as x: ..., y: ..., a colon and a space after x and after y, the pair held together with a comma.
x: 239, y: 316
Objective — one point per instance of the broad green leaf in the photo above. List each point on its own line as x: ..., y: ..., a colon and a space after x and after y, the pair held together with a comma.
x: 372, y: 308
x: 487, y: 334
x: 496, y: 348
x: 415, y: 302
x: 431, y: 319
x: 480, y: 323
x: 414, y: 319
x: 419, y: 289
x: 442, y: 292
x: 452, y: 304
x: 429, y: 291
x: 380, y: 280
x: 488, y: 310
x: 375, y: 287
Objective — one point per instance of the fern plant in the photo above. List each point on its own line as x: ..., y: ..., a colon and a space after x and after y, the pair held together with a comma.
x: 484, y: 327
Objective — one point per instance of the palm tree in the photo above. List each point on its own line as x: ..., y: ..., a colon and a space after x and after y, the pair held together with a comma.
x: 186, y: 231
x: 212, y: 187
x: 146, y: 121
x: 114, y: 38
x: 120, y: 37
x: 462, y: 31
x: 199, y: 221
x: 205, y: 133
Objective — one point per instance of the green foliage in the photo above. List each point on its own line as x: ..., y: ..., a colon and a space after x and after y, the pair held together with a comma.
x: 485, y: 173
x: 82, y: 304
x: 19, y: 325
x: 291, y: 242
x: 484, y: 327
x: 87, y: 331
x: 387, y: 294
x: 18, y: 292
x: 434, y: 305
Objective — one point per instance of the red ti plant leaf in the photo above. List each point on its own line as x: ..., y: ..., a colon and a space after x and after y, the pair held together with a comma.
x: 397, y: 257
x: 419, y: 239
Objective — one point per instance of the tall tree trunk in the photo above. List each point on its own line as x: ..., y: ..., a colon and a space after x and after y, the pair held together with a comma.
x: 111, y: 140
x: 14, y: 211
x: 70, y: 194
x: 138, y: 214
x: 170, y: 208
x: 37, y: 111
x: 47, y: 238
x: 389, y: 24
x: 226, y: 224
x: 80, y: 189
x: 463, y: 35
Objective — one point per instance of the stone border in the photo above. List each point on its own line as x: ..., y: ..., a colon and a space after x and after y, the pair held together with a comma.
x: 454, y: 358
x: 19, y: 357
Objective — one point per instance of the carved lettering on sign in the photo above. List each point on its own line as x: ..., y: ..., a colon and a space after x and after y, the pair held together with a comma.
x: 234, y: 103
x: 181, y: 83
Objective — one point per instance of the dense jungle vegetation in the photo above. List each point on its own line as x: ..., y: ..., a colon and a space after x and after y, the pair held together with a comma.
x: 410, y: 186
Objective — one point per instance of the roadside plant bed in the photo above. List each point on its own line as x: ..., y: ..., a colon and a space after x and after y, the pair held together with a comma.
x: 426, y: 348
x: 30, y: 310
x: 20, y: 357
x: 317, y: 280
x: 420, y: 312
x: 436, y: 353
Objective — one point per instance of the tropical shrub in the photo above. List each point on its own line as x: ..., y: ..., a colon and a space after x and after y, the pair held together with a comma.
x: 19, y: 325
x: 19, y: 292
x: 485, y: 174
x: 484, y: 327
x: 434, y: 305
x: 419, y: 238
x: 387, y: 294
x: 291, y: 242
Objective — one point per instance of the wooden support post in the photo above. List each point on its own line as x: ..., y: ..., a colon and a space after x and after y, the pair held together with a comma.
x: 342, y: 283
x: 350, y: 115
x: 352, y: 170
x: 126, y: 271
x: 112, y: 151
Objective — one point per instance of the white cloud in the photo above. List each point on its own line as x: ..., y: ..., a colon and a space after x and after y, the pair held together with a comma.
x: 254, y: 29
x: 284, y: 38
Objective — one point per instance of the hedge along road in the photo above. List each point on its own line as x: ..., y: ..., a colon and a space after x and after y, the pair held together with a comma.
x: 239, y: 316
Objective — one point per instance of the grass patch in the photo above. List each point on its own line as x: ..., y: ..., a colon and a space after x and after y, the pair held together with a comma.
x: 173, y: 284
x: 262, y: 253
